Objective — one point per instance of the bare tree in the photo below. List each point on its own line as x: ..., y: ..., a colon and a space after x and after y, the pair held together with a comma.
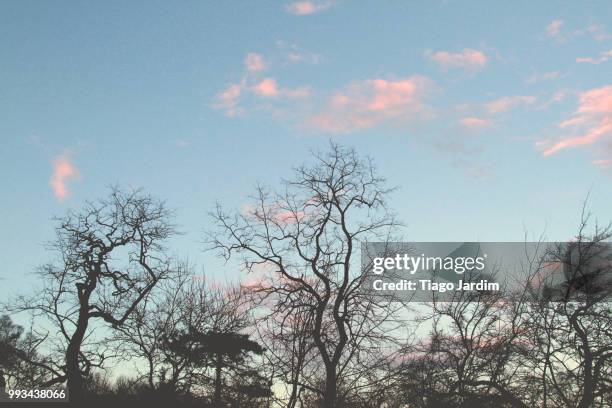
x: 545, y: 343
x: 10, y: 333
x: 21, y: 359
x: 570, y: 325
x: 291, y: 354
x: 111, y: 254
x: 308, y: 236
x: 178, y: 333
x: 474, y: 342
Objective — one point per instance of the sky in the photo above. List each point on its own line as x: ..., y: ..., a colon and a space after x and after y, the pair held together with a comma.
x: 494, y: 119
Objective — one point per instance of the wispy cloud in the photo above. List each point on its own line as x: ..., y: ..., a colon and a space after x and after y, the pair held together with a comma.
x: 289, y: 53
x: 475, y: 123
x: 63, y: 171
x: 255, y: 62
x: 507, y: 103
x: 228, y: 99
x: 237, y: 98
x: 361, y: 105
x: 483, y: 115
x: 469, y: 59
x: 269, y: 88
x: 558, y: 31
x: 555, y: 97
x: 603, y: 163
x: 365, y: 104
x: 546, y: 76
x: 303, y: 8
x: 553, y: 30
x: 603, y: 57
x: 592, y: 122
x: 296, y: 56
x: 598, y: 33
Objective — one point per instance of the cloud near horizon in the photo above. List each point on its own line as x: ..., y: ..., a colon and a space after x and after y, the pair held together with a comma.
x: 63, y: 171
x: 592, y: 121
x: 469, y: 59
x: 368, y: 103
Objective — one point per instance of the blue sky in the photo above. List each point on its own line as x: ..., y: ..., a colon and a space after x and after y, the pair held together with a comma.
x: 493, y: 118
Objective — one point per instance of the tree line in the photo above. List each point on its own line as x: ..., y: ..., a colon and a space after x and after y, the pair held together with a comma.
x: 300, y: 330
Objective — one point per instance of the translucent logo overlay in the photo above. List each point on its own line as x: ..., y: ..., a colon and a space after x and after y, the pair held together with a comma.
x: 460, y: 271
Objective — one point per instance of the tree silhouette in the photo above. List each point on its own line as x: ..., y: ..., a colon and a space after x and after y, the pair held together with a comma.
x: 307, y: 236
x: 221, y: 351
x: 10, y: 334
x: 111, y: 255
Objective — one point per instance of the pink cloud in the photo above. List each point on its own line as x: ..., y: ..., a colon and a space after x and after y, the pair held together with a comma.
x: 274, y: 212
x: 554, y: 98
x: 603, y: 163
x: 255, y: 62
x: 239, y: 98
x: 603, y: 57
x: 303, y: 8
x: 593, y: 121
x: 507, y: 103
x: 591, y: 136
x: 227, y: 99
x: 596, y: 101
x: 553, y: 29
x: 288, y: 217
x: 63, y: 171
x: 365, y: 104
x: 293, y: 54
x: 234, y: 99
x: 475, y: 123
x: 266, y: 88
x: 598, y: 33
x: 466, y: 59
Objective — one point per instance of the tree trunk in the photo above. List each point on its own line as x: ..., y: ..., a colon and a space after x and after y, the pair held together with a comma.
x: 331, y: 388
x: 218, y: 366
x: 588, y: 390
x: 74, y: 380
x: 293, y: 397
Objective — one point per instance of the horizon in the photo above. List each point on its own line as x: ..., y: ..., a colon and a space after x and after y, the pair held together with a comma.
x: 490, y: 134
